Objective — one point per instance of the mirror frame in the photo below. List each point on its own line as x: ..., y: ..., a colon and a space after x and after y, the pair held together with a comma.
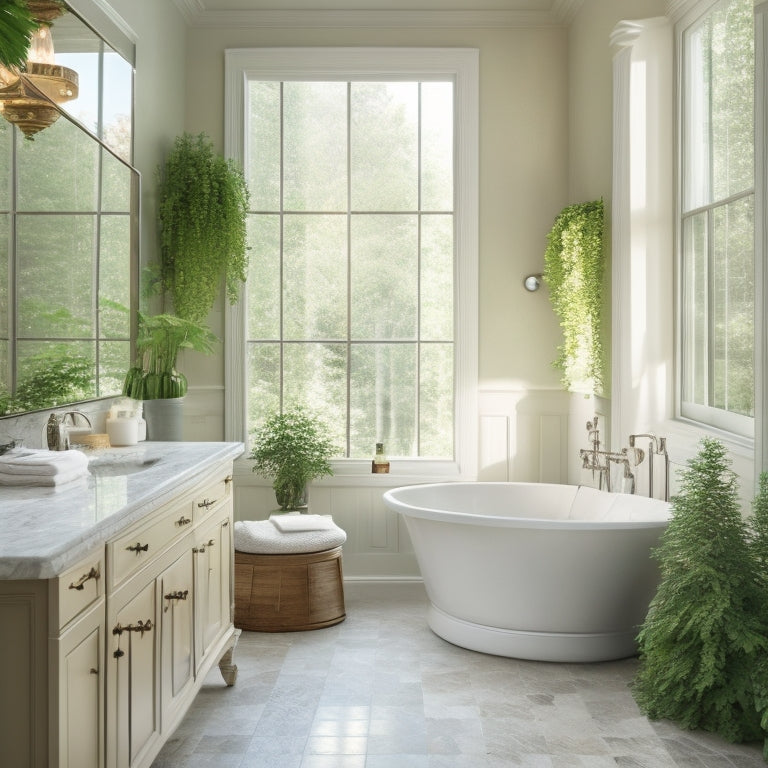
x: 112, y: 30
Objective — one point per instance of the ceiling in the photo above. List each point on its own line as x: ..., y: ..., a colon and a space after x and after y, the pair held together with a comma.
x: 417, y: 13
x: 376, y: 5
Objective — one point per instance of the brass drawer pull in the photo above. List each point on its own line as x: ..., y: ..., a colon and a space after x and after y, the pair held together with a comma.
x: 177, y: 595
x: 205, y: 503
x: 80, y: 583
x: 183, y: 521
x: 138, y: 547
x: 141, y: 627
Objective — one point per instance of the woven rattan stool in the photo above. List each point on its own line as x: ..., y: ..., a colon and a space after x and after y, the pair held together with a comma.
x: 288, y: 593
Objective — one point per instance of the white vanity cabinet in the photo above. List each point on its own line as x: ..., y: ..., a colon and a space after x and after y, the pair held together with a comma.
x: 100, y: 663
x: 169, y: 618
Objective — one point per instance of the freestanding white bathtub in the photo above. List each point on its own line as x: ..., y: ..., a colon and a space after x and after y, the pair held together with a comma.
x: 534, y: 570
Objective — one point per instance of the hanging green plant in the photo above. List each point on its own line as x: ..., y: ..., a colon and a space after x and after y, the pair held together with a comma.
x: 202, y: 211
x: 16, y: 28
x: 573, y: 270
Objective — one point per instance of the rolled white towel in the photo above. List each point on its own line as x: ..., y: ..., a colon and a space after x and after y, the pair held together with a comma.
x: 297, y: 523
x: 43, y: 480
x: 26, y: 461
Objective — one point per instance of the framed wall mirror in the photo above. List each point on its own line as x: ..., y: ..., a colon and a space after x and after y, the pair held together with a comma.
x: 69, y: 202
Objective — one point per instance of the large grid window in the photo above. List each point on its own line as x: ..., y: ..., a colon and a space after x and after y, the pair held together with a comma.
x: 717, y: 217
x: 350, y: 306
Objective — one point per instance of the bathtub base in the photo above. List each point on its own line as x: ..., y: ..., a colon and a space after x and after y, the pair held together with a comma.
x: 534, y: 646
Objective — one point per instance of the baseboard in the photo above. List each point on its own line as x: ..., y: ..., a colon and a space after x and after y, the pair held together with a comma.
x: 383, y: 580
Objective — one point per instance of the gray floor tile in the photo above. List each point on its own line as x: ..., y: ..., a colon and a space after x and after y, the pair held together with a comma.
x: 382, y: 691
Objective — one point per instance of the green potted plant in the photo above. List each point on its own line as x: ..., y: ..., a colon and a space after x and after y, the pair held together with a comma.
x: 203, y: 202
x: 704, y: 641
x: 573, y: 271
x: 154, y: 378
x: 292, y: 447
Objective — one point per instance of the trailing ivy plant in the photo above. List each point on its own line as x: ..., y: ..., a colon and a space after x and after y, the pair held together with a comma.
x: 292, y: 447
x: 703, y: 636
x: 573, y: 270
x: 202, y: 211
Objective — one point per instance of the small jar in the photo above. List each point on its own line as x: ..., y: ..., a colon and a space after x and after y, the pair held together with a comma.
x: 380, y: 463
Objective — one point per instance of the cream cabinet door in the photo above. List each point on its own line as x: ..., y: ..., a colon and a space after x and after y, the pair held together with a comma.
x: 213, y: 563
x: 133, y: 721
x: 177, y: 660
x: 80, y: 653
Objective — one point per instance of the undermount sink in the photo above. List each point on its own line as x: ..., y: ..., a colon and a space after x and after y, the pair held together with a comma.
x: 116, y: 465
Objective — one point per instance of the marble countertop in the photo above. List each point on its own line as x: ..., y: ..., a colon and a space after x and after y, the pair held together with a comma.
x: 45, y: 530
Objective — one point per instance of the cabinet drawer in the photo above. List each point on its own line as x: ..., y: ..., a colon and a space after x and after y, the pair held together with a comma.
x: 141, y: 544
x: 79, y: 587
x: 212, y: 497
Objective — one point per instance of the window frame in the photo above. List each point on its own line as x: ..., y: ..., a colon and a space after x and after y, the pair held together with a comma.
x: 461, y: 65
x: 736, y: 427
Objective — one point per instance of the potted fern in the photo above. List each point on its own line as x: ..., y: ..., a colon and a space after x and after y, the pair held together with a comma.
x: 292, y: 447
x: 203, y: 203
x: 154, y: 378
x: 704, y: 642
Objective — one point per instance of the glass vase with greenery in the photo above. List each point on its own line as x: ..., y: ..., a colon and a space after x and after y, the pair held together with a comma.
x: 292, y: 447
x: 160, y: 339
x: 203, y: 202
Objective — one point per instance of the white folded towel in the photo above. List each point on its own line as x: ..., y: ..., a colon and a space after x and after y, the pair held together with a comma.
x: 45, y: 480
x: 294, y: 523
x: 26, y: 461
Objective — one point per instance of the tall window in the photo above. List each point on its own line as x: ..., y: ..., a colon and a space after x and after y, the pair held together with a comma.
x: 353, y: 295
x: 717, y: 217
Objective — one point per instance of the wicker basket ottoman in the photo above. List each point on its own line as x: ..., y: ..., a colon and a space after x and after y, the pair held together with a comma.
x: 292, y: 582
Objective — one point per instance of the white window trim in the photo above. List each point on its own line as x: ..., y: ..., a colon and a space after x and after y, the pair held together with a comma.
x: 462, y: 66
x: 731, y: 427
x: 632, y: 409
x: 761, y: 238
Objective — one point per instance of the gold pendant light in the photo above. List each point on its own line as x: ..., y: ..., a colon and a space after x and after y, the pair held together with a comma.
x: 26, y: 96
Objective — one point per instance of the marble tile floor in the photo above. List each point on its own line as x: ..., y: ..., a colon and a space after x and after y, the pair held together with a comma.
x: 380, y: 690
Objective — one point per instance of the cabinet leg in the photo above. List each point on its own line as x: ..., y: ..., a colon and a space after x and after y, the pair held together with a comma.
x: 226, y: 667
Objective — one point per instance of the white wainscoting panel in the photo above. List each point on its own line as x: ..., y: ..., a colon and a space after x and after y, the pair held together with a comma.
x: 523, y: 436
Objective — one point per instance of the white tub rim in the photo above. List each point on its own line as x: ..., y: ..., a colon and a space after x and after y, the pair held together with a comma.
x: 471, y: 518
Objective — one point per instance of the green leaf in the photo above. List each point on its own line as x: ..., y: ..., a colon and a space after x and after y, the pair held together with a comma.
x: 16, y: 28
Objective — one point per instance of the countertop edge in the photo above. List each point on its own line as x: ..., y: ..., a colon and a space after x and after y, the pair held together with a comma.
x: 55, y: 562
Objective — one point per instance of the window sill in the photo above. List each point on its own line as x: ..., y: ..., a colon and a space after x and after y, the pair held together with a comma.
x: 358, y: 473
x: 683, y: 438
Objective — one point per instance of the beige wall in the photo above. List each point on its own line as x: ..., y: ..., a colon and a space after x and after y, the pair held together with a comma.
x: 523, y: 171
x: 159, y: 96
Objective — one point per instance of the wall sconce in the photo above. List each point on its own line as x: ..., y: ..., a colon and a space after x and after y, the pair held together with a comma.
x: 532, y: 282
x: 25, y: 97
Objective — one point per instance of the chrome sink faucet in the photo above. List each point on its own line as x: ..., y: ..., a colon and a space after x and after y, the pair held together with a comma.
x: 57, y: 429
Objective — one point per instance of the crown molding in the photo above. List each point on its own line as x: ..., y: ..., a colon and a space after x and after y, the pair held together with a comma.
x: 190, y: 9
x: 197, y: 16
x: 626, y: 32
x: 565, y: 10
